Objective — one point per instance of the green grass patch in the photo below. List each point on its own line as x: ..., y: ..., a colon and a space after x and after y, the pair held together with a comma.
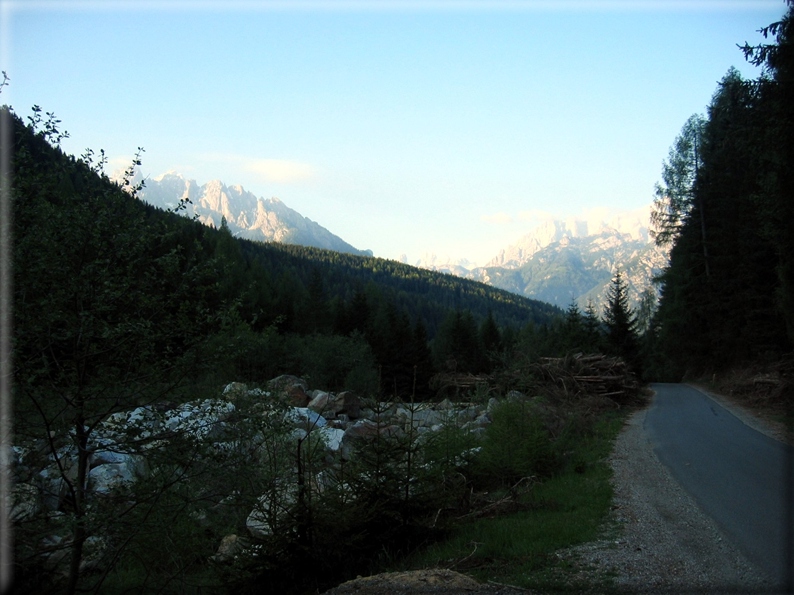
x: 521, y: 548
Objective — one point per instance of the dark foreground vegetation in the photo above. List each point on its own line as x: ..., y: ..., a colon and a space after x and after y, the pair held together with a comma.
x: 726, y: 207
x: 124, y: 310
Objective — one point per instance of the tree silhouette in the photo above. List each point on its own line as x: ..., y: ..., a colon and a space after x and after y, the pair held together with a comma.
x: 621, y: 323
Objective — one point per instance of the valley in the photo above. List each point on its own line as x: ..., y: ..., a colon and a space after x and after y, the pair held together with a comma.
x: 559, y: 262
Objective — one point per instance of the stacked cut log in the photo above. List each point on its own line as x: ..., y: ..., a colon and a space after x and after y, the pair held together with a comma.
x: 592, y: 375
x: 450, y: 380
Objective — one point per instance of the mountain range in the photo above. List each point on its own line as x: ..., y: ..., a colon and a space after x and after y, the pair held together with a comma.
x: 247, y: 216
x: 565, y: 260
x: 560, y: 261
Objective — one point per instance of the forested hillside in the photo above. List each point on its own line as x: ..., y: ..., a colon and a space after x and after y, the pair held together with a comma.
x: 86, y: 251
x: 726, y: 206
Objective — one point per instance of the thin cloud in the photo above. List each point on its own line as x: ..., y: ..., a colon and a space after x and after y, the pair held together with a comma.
x: 119, y: 163
x: 279, y: 171
x: 535, y: 216
x: 499, y: 218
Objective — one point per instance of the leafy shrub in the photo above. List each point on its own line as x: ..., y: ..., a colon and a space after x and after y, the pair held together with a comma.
x: 516, y: 445
x: 332, y: 362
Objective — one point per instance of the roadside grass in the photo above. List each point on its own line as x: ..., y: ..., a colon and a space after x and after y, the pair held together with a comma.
x: 524, y: 548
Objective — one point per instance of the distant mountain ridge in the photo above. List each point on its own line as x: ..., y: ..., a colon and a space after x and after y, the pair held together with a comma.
x: 630, y: 226
x: 565, y: 260
x: 247, y: 216
x: 442, y: 263
x: 581, y: 270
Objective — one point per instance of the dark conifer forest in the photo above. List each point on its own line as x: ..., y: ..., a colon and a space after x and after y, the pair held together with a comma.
x: 726, y: 208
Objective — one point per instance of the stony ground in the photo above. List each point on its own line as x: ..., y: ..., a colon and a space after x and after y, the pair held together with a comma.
x: 656, y: 541
x: 660, y: 541
x: 423, y: 582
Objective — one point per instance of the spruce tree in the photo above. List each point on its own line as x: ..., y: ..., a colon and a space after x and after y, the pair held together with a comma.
x: 776, y: 150
x: 676, y: 197
x: 491, y: 341
x: 573, y: 330
x: 591, y: 326
x: 621, y: 323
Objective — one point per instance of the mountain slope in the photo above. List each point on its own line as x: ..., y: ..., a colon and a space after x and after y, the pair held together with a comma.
x: 572, y: 259
x: 632, y: 225
x: 580, y: 269
x: 248, y: 216
x: 429, y: 295
x: 559, y: 261
x: 276, y: 239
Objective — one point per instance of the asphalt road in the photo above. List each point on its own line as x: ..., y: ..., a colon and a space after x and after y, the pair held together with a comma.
x: 741, y: 478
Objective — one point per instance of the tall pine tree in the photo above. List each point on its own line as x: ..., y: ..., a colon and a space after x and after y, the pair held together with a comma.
x: 621, y: 323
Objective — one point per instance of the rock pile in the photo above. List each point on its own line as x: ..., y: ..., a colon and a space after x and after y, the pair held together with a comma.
x: 122, y: 447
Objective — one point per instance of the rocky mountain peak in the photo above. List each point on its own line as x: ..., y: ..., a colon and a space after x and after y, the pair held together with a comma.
x: 570, y: 259
x: 633, y: 225
x: 248, y: 216
x: 170, y: 174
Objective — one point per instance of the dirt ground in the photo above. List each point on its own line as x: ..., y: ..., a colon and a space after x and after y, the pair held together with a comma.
x: 422, y: 582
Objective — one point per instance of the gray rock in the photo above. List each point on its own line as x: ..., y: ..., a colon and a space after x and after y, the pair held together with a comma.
x: 201, y: 420
x: 332, y: 438
x: 348, y: 402
x: 444, y: 405
x: 234, y: 390
x: 110, y: 477
x: 287, y: 381
x: 230, y: 547
x: 468, y: 414
x: 271, y: 509
x: 358, y: 432
x: 304, y: 418
x: 321, y: 402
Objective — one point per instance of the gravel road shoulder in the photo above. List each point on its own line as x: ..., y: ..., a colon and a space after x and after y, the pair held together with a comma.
x: 659, y: 540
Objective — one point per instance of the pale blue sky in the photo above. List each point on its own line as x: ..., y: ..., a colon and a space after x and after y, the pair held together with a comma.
x: 402, y: 127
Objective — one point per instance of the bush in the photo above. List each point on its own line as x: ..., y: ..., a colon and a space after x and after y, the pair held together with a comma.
x: 332, y: 362
x: 516, y: 445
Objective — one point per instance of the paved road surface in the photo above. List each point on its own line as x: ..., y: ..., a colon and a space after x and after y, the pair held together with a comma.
x: 741, y: 478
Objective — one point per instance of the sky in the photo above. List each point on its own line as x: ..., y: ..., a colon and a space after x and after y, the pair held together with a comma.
x: 403, y: 127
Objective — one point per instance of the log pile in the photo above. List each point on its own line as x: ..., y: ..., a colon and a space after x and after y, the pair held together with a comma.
x: 574, y: 377
x: 451, y: 383
x: 580, y: 375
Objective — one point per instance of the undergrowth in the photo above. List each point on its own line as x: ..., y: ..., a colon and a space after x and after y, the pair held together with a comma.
x: 766, y: 388
x: 521, y: 548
